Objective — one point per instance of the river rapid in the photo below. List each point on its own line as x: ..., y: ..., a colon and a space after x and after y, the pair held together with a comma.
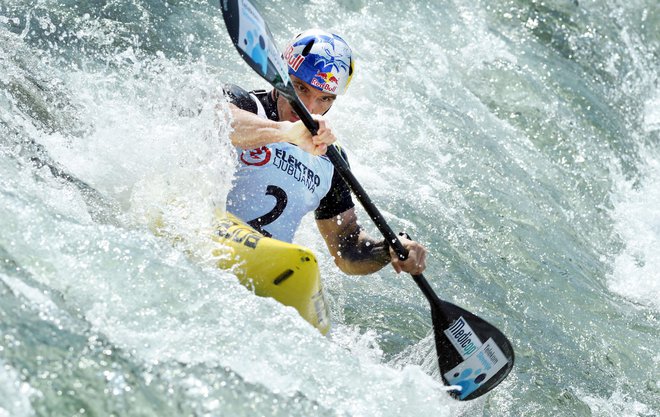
x: 518, y: 140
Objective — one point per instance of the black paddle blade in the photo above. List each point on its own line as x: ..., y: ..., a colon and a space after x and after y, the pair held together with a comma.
x: 472, y: 353
x: 254, y: 42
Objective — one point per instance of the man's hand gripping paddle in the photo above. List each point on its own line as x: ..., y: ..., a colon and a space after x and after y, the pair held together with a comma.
x: 472, y: 353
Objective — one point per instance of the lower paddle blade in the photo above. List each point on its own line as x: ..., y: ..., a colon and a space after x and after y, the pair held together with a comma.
x: 254, y: 42
x: 472, y: 353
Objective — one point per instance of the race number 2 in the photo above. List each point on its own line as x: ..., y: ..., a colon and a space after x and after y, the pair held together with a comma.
x: 281, y: 201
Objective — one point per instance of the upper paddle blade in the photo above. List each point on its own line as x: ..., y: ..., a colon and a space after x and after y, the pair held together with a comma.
x: 255, y: 43
x: 472, y: 353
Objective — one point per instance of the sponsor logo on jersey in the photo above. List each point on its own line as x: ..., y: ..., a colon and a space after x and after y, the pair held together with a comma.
x: 256, y: 157
x: 295, y: 168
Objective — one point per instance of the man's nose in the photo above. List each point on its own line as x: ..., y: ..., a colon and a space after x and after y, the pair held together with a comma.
x: 311, y: 104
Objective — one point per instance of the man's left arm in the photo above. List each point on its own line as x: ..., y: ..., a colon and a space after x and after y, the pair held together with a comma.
x: 357, y: 253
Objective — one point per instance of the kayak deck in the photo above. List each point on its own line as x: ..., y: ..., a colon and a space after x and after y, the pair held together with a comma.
x: 284, y: 271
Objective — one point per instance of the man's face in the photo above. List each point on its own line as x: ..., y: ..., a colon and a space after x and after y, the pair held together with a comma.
x: 316, y: 101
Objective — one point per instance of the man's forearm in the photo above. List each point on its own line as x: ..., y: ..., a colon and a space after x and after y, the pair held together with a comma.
x: 251, y: 131
x: 362, y: 255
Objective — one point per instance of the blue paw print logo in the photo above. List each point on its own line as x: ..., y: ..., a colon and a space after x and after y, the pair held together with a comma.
x: 255, y: 45
x: 468, y: 380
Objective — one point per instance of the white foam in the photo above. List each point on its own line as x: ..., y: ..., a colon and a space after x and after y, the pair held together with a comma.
x: 636, y: 273
x: 617, y: 404
x: 151, y: 123
x: 14, y: 393
x: 147, y: 298
x: 652, y: 113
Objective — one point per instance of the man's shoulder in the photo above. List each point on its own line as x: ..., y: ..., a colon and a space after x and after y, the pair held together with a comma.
x: 240, y: 97
x: 247, y: 100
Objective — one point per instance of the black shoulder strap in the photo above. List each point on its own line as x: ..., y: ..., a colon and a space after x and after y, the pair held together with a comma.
x: 259, y: 93
x: 268, y: 102
x: 245, y: 100
x: 240, y: 98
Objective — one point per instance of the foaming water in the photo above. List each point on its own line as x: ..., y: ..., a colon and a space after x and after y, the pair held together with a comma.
x: 150, y: 301
x: 18, y: 393
x: 517, y: 140
x: 150, y: 148
x: 636, y: 274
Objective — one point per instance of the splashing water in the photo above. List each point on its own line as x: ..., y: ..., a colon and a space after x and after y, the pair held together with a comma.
x: 517, y: 140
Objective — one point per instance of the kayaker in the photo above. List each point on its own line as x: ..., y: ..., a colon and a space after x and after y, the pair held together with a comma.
x: 283, y: 173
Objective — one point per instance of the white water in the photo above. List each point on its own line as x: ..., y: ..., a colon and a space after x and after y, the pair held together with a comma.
x: 16, y: 393
x: 636, y: 273
x: 517, y: 141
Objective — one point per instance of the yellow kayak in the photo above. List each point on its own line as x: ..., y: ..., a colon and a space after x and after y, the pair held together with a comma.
x: 271, y: 268
x: 286, y: 272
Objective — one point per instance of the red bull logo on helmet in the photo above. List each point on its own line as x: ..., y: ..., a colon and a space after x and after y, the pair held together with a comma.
x: 328, y: 77
x: 324, y: 86
x: 293, y: 60
x: 323, y: 80
x: 321, y: 59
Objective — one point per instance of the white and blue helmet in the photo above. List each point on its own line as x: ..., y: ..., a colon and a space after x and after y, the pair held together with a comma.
x: 321, y: 59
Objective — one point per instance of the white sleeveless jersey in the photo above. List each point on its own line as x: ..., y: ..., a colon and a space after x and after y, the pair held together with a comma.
x: 276, y: 185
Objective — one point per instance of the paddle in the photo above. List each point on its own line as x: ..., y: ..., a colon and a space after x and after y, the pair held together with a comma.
x: 472, y: 353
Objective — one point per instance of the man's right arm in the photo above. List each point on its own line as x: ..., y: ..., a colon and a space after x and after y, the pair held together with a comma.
x: 357, y: 253
x: 251, y: 131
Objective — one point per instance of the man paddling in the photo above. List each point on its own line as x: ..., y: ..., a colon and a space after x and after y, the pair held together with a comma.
x: 283, y: 173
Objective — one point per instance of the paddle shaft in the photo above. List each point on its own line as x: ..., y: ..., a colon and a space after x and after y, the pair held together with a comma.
x: 344, y: 170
